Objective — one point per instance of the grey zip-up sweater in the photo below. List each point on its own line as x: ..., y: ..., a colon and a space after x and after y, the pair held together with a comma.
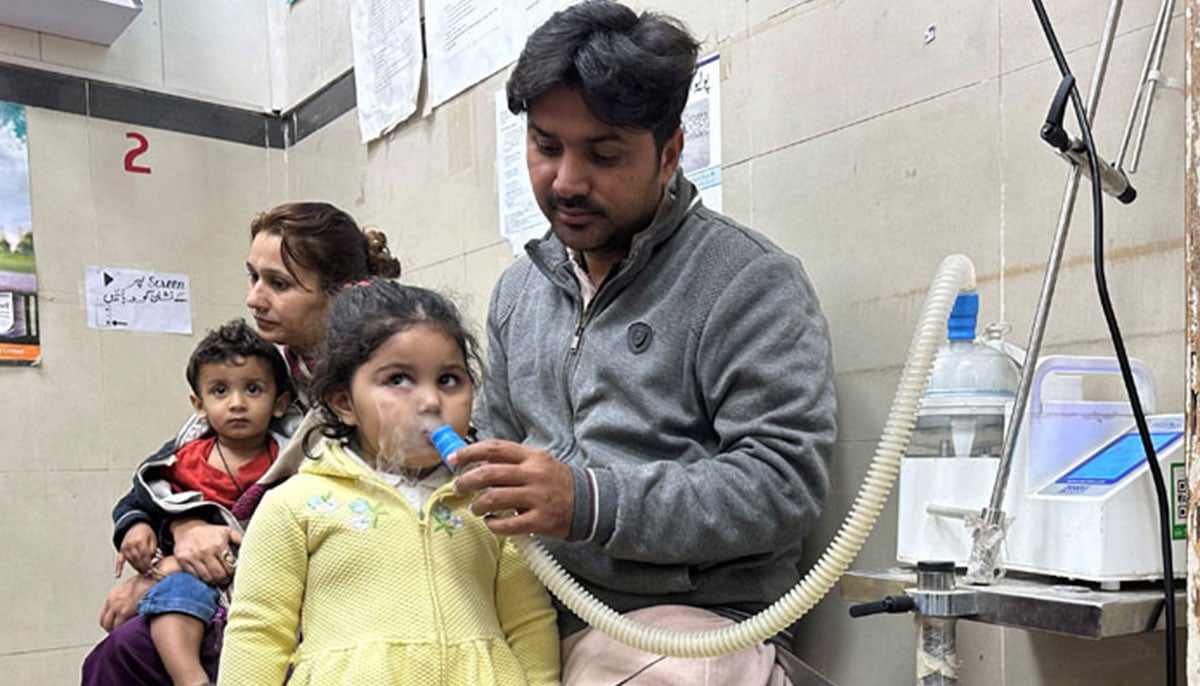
x: 693, y: 400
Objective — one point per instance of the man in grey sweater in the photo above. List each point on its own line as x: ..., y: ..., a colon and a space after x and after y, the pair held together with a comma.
x: 659, y: 392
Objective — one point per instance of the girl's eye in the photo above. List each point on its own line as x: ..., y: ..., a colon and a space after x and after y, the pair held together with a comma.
x: 254, y: 389
x: 218, y: 391
x: 450, y: 380
x: 399, y: 380
x: 280, y: 285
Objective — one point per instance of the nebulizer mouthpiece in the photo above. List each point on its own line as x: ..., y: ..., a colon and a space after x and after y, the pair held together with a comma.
x: 447, y: 442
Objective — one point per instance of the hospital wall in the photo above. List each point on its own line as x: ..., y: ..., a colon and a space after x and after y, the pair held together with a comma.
x: 216, y: 50
x: 849, y: 138
x: 73, y: 428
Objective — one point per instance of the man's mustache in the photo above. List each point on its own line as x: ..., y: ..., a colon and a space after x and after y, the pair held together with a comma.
x: 574, y: 202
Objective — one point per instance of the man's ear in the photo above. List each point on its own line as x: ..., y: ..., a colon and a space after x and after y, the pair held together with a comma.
x: 669, y: 160
x: 198, y: 406
x: 340, y: 403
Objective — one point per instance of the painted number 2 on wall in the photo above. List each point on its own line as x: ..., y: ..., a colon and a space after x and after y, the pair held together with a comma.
x: 141, y: 145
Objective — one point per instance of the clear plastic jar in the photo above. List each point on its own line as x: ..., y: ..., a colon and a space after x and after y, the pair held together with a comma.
x: 970, y: 391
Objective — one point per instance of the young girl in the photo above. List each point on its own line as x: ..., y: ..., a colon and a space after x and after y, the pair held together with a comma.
x: 366, y: 553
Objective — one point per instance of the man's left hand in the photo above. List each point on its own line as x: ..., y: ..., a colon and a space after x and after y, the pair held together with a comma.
x: 517, y: 478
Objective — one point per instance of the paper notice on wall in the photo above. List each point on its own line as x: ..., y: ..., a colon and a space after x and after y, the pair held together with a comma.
x: 386, y: 38
x: 469, y: 40
x: 137, y: 300
x: 520, y: 217
x: 701, y: 159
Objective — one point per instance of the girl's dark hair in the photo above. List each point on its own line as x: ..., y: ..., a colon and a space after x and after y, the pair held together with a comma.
x: 365, y: 317
x: 232, y: 340
x: 632, y: 71
x: 325, y: 240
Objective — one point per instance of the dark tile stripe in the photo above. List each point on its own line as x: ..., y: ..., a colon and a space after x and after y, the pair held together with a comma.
x: 78, y: 95
x: 43, y: 89
x: 324, y: 106
x: 172, y: 113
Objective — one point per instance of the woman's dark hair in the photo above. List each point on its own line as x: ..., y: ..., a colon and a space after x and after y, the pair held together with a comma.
x: 233, y: 340
x: 365, y: 317
x: 325, y: 240
x: 632, y: 71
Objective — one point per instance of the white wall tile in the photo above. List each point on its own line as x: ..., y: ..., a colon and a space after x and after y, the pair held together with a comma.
x: 1077, y: 23
x: 805, y: 82
x: 19, y: 43
x: 219, y: 49
x: 62, y: 200
x: 135, y: 57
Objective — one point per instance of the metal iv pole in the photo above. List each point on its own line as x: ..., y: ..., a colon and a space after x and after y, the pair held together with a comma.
x: 983, y: 566
x: 936, y: 601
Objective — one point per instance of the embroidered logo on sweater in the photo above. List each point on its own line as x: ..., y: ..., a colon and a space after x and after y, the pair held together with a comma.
x: 323, y: 502
x: 364, y: 515
x: 639, y: 336
x: 446, y: 519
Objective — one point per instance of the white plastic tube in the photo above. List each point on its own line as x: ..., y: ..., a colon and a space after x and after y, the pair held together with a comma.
x: 955, y: 274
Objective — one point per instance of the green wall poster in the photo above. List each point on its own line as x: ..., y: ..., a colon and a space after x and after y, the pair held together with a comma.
x: 19, y: 340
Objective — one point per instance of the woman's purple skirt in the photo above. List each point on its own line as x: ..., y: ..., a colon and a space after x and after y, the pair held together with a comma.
x: 127, y: 656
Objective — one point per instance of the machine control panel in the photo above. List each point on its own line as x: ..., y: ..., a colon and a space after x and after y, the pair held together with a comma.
x: 1108, y: 466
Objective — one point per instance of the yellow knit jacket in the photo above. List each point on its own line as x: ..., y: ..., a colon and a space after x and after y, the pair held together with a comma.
x: 380, y: 593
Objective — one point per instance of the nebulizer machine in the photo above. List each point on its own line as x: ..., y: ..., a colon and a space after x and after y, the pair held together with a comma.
x: 1081, y: 505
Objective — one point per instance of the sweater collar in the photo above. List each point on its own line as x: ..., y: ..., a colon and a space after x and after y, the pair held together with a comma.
x: 339, y: 461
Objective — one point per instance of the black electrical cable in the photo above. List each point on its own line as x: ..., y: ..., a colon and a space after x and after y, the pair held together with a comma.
x: 1110, y: 318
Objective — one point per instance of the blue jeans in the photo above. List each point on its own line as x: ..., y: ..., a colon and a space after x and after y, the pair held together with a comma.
x: 183, y: 593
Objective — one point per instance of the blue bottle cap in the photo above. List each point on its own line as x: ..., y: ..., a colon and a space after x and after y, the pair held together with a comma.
x: 446, y: 441
x: 961, y: 326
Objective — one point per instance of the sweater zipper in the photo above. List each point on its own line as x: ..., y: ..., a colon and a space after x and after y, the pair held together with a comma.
x: 586, y: 315
x: 583, y: 319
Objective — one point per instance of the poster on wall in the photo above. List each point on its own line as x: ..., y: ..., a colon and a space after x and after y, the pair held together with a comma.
x: 138, y: 300
x: 521, y: 220
x: 20, y: 342
x: 701, y: 158
x: 386, y: 42
x: 469, y: 40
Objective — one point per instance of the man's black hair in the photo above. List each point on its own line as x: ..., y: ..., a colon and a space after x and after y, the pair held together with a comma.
x: 632, y: 71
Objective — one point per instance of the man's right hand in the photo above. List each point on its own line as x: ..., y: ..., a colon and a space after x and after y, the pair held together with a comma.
x: 202, y: 549
x: 137, y: 548
x: 522, y: 479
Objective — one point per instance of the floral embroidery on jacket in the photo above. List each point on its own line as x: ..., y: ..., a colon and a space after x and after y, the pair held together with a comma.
x: 323, y: 502
x: 365, y: 515
x: 446, y: 519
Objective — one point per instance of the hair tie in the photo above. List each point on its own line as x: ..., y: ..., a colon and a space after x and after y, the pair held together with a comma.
x: 362, y: 283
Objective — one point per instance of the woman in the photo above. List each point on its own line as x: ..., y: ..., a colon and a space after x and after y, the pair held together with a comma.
x: 301, y: 255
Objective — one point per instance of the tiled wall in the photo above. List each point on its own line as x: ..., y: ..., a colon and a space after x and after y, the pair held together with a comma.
x: 76, y: 426
x: 216, y: 50
x: 849, y: 139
